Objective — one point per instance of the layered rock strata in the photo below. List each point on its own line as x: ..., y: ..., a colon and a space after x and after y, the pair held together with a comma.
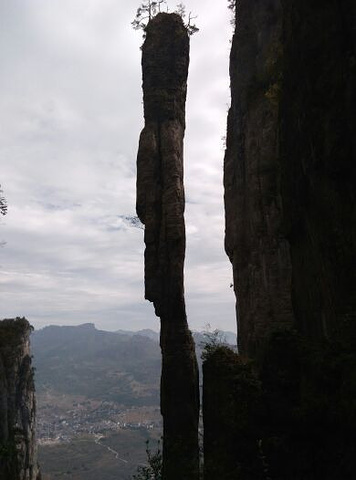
x: 18, y: 453
x: 160, y: 207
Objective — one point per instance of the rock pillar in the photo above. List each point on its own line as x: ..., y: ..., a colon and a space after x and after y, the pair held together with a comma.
x: 160, y: 207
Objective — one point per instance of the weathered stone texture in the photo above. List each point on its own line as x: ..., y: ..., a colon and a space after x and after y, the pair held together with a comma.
x: 290, y: 167
x: 254, y: 241
x: 160, y: 206
x: 290, y: 176
x: 18, y: 452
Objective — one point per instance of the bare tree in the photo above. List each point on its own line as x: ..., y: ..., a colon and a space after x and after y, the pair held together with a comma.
x: 145, y: 12
x: 149, y: 9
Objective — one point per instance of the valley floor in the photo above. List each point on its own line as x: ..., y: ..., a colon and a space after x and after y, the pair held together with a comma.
x: 81, y: 438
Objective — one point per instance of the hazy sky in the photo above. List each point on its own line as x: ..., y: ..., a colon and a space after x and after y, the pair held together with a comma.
x: 70, y: 118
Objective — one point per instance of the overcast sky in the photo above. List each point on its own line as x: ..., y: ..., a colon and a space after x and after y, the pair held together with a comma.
x: 70, y: 119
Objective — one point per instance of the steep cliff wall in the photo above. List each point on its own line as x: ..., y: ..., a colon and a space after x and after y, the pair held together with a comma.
x: 290, y: 176
x: 160, y: 206
x: 290, y: 167
x: 254, y: 241
x: 318, y: 158
x: 18, y: 454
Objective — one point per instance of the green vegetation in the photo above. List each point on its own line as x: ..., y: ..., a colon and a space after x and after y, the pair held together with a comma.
x: 152, y: 471
x: 85, y: 458
x: 98, y: 365
x: 149, y: 9
x: 212, y: 341
x: 145, y: 12
x: 12, y: 331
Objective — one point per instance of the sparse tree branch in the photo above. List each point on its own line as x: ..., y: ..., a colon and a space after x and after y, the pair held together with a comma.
x: 149, y: 9
x: 191, y: 27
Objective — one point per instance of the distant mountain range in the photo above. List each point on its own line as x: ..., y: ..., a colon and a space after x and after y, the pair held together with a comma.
x: 122, y: 366
x: 146, y: 332
x: 226, y: 336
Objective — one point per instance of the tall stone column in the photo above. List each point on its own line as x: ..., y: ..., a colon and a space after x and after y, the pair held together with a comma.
x: 160, y: 207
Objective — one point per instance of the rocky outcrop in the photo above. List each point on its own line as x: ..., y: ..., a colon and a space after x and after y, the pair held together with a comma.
x: 18, y: 454
x: 160, y: 206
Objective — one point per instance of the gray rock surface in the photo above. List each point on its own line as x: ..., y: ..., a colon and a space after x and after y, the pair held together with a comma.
x: 254, y: 239
x: 290, y: 168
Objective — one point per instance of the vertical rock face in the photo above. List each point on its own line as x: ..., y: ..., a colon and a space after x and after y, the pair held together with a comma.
x: 290, y: 176
x: 18, y: 455
x: 255, y: 241
x: 318, y: 155
x: 290, y: 167
x: 160, y: 206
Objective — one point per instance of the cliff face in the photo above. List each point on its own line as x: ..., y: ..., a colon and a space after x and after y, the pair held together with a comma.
x: 254, y: 241
x: 318, y: 157
x: 290, y: 176
x: 290, y: 167
x: 160, y: 206
x: 18, y: 455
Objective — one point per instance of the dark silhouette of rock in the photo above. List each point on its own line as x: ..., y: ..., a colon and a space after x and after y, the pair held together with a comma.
x: 290, y: 168
x: 318, y: 161
x: 289, y: 177
x: 18, y: 452
x: 254, y: 240
x: 231, y: 397
x: 160, y: 207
